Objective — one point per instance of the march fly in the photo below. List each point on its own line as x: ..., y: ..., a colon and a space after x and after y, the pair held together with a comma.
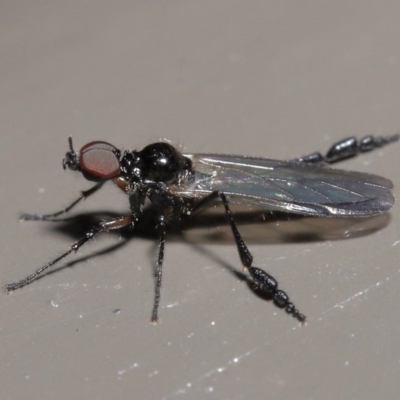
x: 180, y: 185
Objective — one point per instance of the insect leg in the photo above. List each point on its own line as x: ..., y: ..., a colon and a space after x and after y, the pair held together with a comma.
x: 263, y: 280
x: 162, y: 232
x: 104, y: 226
x: 349, y: 147
x: 49, y: 217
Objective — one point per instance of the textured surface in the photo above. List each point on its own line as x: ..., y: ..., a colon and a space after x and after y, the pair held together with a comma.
x: 270, y: 79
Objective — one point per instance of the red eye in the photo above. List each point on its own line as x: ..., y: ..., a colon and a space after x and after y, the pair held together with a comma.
x: 100, y: 160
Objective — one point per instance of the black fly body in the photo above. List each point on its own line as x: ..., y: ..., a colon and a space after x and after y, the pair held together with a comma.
x: 183, y: 184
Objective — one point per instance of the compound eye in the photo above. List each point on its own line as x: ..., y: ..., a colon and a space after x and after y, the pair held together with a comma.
x: 99, y: 161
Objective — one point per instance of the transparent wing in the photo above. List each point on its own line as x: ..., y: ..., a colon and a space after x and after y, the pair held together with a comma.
x: 288, y: 186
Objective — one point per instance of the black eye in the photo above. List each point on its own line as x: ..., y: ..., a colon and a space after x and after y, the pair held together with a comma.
x: 99, y: 161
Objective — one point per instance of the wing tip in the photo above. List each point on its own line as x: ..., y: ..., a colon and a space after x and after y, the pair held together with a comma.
x: 367, y: 208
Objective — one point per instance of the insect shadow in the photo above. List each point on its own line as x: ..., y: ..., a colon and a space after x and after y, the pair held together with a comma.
x: 258, y: 226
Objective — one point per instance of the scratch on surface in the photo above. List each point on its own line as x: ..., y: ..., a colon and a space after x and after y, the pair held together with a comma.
x: 172, y: 304
x: 223, y: 368
x: 123, y: 371
x: 343, y: 303
x: 235, y: 360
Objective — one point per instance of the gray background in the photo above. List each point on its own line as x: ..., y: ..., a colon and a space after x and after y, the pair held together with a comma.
x: 274, y: 79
